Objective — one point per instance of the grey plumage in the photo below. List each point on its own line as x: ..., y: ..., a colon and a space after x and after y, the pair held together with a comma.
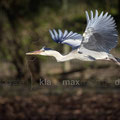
x: 99, y: 38
x: 100, y: 34
x: 69, y: 38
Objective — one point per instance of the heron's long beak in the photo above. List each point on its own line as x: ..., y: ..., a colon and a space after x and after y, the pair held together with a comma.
x: 34, y: 52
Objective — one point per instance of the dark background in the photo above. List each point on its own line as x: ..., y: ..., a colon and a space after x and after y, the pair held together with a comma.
x: 24, y: 26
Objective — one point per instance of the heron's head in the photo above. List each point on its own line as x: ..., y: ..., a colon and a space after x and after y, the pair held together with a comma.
x: 43, y: 51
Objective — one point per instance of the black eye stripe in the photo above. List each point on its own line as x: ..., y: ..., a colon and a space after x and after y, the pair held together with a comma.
x: 47, y: 48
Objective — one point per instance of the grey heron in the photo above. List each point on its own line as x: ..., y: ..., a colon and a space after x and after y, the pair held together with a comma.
x: 99, y: 38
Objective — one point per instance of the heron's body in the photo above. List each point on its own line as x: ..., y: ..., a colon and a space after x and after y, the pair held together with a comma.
x: 92, y: 55
x: 83, y: 55
x: 99, y: 38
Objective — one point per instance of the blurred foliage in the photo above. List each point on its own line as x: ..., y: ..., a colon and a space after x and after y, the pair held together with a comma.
x: 24, y: 26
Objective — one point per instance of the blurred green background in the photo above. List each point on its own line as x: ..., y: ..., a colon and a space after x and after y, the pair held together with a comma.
x: 24, y: 26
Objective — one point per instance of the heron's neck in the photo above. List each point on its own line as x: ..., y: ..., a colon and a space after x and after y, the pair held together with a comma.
x: 62, y: 58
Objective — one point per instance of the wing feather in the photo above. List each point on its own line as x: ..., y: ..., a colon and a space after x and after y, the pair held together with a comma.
x: 65, y: 33
x: 87, y: 16
x: 55, y: 33
x: 100, y: 33
x: 60, y: 33
x: 69, y: 34
x: 72, y: 39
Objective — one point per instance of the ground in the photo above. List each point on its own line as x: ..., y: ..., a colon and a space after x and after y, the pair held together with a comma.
x: 61, y: 105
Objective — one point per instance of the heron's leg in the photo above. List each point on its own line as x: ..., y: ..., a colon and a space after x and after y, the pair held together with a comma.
x: 112, y: 58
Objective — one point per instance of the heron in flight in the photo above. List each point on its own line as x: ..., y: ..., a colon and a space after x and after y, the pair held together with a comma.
x: 99, y: 38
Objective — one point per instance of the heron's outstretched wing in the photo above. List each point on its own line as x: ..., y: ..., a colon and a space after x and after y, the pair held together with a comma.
x: 72, y: 39
x: 100, y: 33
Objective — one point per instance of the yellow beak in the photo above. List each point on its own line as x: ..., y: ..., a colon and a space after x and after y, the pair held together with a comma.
x: 34, y: 52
